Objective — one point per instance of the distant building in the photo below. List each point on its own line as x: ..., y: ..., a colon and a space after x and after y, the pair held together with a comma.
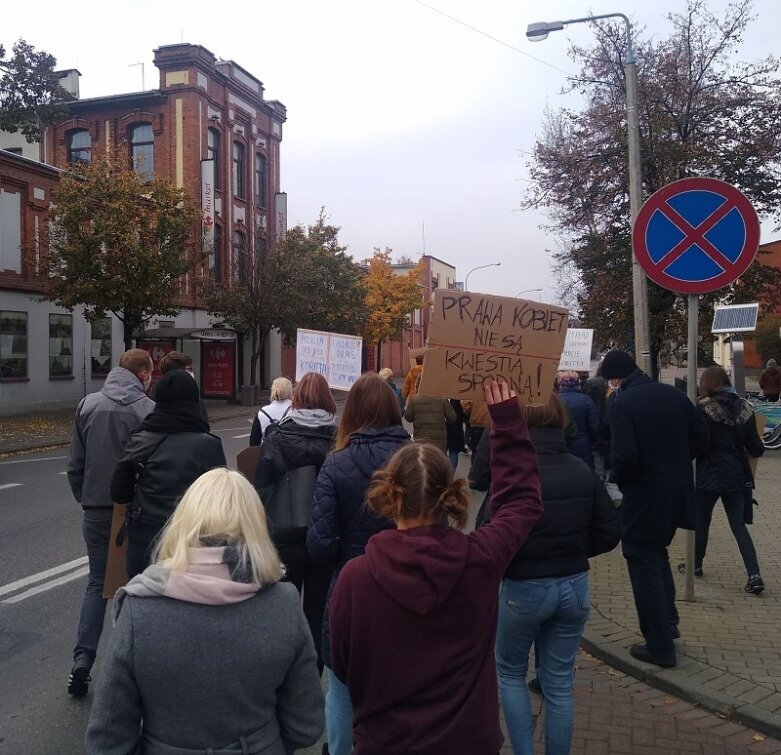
x: 207, y: 123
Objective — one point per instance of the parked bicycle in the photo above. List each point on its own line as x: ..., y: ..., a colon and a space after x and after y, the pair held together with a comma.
x: 771, y: 435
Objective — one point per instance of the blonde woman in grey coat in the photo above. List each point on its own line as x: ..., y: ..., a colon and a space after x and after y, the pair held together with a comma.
x: 210, y: 651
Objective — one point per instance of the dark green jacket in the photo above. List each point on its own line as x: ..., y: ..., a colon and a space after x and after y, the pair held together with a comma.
x: 429, y: 417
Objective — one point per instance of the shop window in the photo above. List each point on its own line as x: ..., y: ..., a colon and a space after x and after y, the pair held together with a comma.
x: 213, y: 153
x: 13, y: 344
x: 60, y: 346
x: 142, y: 144
x: 238, y: 170
x: 79, y: 147
x: 239, y: 256
x: 260, y: 180
x: 101, y: 347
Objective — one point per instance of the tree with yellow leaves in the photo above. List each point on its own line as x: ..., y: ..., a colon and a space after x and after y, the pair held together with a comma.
x: 390, y: 299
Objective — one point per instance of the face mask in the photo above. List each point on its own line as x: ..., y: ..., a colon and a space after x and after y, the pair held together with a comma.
x: 615, y: 384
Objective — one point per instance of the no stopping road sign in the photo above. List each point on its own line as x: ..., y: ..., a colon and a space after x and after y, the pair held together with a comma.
x: 696, y: 235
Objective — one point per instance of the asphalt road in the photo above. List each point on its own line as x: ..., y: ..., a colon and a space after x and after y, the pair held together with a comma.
x: 40, y: 532
x: 42, y: 580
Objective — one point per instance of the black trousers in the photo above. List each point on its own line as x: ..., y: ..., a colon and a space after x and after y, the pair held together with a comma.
x: 654, y: 593
x: 734, y: 503
x: 312, y: 579
x: 141, y: 542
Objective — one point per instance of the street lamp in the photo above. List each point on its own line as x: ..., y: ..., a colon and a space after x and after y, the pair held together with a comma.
x: 529, y: 291
x: 539, y: 31
x: 479, y: 267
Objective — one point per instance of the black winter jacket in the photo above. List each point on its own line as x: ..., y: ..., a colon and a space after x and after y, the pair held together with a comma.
x: 655, y: 432
x: 168, y: 463
x: 578, y: 519
x: 290, y: 445
x: 723, y: 466
x: 341, y: 525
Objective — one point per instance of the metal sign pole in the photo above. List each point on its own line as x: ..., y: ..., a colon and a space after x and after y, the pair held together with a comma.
x: 691, y: 392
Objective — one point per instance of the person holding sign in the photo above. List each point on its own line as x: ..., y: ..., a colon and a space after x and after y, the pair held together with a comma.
x: 414, y: 619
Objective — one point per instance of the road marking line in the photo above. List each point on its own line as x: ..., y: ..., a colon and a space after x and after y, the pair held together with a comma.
x: 227, y: 429
x: 62, y: 473
x: 48, y: 585
x: 40, y: 576
x: 11, y: 485
x: 45, y: 458
x: 246, y: 435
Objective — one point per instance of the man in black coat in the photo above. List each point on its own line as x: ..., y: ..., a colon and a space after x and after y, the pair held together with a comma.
x: 655, y: 433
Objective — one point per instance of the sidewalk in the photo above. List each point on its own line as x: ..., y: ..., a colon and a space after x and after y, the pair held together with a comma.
x: 729, y: 654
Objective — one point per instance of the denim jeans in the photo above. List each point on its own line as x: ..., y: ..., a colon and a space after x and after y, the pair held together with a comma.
x: 734, y: 502
x: 553, y: 611
x: 338, y: 716
x: 654, y: 592
x: 97, y: 531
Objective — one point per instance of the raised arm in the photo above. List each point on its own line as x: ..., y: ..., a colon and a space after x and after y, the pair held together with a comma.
x: 515, y: 500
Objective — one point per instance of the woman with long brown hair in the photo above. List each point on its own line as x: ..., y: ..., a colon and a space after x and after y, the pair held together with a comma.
x: 369, y: 433
x: 292, y: 454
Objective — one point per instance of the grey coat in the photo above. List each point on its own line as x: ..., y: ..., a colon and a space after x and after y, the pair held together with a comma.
x: 104, y: 422
x: 180, y: 678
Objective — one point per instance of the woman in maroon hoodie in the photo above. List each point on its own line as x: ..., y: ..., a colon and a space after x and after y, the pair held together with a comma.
x: 413, y: 621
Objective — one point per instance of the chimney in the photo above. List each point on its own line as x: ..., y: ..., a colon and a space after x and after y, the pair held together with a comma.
x: 69, y: 80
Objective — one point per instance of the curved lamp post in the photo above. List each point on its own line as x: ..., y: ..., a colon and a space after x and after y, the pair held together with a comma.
x: 479, y: 267
x: 529, y: 291
x: 536, y: 33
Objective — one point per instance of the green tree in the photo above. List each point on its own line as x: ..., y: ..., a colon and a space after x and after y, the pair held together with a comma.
x: 117, y: 244
x: 306, y: 281
x: 30, y: 91
x: 390, y: 299
x: 702, y: 112
x: 767, y: 339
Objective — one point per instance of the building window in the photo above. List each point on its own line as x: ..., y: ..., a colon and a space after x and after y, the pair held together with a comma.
x: 215, y: 255
x: 238, y: 170
x: 60, y: 346
x: 260, y: 180
x: 13, y: 150
x: 142, y: 142
x: 239, y: 256
x: 10, y: 230
x: 213, y: 153
x: 101, y: 347
x: 79, y: 147
x: 13, y: 344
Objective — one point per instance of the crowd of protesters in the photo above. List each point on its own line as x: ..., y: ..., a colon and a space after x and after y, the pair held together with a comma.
x: 351, y: 551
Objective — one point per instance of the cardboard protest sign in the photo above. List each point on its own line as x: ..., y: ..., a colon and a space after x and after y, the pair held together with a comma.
x: 116, y: 565
x: 477, y: 337
x: 576, y: 354
x: 247, y: 461
x: 335, y: 356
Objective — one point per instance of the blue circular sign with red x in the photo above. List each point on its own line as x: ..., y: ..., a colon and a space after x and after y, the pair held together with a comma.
x: 696, y: 235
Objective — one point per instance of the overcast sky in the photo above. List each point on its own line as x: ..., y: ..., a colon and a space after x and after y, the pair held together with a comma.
x: 397, y: 116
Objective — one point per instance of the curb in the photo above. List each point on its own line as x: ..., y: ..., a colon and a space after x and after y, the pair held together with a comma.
x: 669, y: 680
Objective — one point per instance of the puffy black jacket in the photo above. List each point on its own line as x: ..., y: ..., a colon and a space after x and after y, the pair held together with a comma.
x: 341, y: 525
x: 578, y: 518
x: 287, y: 446
x: 584, y: 413
x: 169, y: 463
x: 733, y: 431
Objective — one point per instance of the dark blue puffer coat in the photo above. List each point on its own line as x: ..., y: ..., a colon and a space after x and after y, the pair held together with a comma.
x: 584, y: 412
x: 341, y: 525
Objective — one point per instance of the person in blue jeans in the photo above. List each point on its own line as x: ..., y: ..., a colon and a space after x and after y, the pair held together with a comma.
x: 544, y: 597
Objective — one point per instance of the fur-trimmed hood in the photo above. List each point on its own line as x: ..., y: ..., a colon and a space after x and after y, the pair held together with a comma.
x: 726, y: 408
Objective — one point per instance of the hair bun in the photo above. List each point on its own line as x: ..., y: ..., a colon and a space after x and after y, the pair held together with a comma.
x: 454, y: 500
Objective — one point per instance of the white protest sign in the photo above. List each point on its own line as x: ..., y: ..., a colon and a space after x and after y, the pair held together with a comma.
x: 576, y: 355
x: 335, y: 356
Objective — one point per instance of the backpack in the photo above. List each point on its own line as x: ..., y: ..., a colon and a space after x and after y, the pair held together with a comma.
x: 290, y: 505
x: 271, y: 421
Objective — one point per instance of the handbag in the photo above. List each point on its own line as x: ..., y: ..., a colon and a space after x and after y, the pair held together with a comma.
x: 290, y: 505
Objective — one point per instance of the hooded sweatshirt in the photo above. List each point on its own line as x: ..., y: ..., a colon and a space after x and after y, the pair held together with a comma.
x: 770, y: 379
x: 413, y: 621
x: 104, y: 422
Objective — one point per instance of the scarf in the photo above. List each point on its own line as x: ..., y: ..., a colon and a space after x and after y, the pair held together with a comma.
x: 310, y: 417
x: 214, y: 577
x: 178, y: 417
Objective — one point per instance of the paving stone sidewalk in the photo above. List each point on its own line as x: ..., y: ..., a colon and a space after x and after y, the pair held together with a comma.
x: 729, y: 654
x: 616, y: 714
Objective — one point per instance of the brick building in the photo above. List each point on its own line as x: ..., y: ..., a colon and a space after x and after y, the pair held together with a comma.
x: 208, y: 124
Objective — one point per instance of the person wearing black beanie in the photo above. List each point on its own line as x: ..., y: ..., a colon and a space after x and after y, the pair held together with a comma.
x: 171, y: 450
x: 655, y: 433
